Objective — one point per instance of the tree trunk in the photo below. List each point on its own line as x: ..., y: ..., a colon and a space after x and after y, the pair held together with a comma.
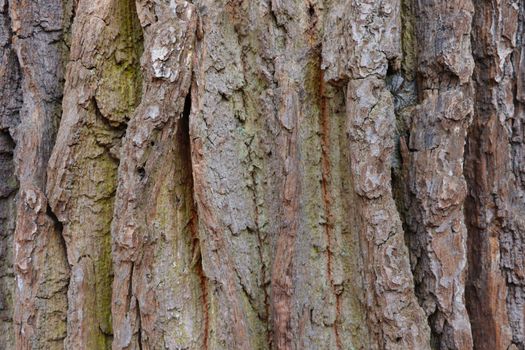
x: 266, y: 174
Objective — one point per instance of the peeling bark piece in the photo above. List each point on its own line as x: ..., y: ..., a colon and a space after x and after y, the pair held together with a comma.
x: 159, y: 296
x: 443, y: 32
x: 101, y: 91
x: 42, y: 275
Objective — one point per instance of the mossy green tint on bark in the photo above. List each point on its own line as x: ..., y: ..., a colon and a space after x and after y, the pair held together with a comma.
x: 101, y: 92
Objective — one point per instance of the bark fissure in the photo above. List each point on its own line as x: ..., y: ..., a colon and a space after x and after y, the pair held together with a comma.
x: 8, y: 190
x: 194, y: 226
x: 261, y: 243
x: 326, y: 185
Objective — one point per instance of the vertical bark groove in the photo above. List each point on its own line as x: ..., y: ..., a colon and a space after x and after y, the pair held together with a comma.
x: 8, y: 188
x: 326, y: 184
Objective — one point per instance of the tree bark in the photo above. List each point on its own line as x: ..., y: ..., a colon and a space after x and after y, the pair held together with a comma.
x: 266, y: 174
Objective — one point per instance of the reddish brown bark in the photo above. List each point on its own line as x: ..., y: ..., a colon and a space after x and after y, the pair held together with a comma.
x: 263, y: 174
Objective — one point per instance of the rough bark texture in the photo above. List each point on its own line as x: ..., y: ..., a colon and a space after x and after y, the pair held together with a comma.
x: 495, y: 172
x: 158, y: 302
x: 436, y: 185
x: 266, y: 174
x: 10, y: 102
x: 42, y: 274
x: 101, y: 91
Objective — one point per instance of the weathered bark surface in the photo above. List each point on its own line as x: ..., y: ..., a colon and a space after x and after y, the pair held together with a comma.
x: 102, y: 88
x: 159, y: 301
x: 395, y: 319
x: 267, y: 174
x: 434, y: 159
x: 42, y: 275
x: 495, y: 173
x: 10, y: 101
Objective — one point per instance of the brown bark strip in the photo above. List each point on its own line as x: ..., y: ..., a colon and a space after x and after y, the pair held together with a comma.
x: 252, y: 106
x: 387, y: 271
x: 347, y: 279
x: 282, y: 278
x: 435, y: 178
x: 101, y: 91
x: 41, y: 270
x: 225, y: 131
x: 238, y: 330
x: 304, y: 305
x: 230, y: 332
x: 286, y: 303
x: 370, y: 118
x: 494, y: 206
x: 158, y: 288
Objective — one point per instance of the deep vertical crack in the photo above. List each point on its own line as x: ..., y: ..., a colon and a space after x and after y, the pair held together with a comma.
x: 194, y: 219
x: 327, y: 200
